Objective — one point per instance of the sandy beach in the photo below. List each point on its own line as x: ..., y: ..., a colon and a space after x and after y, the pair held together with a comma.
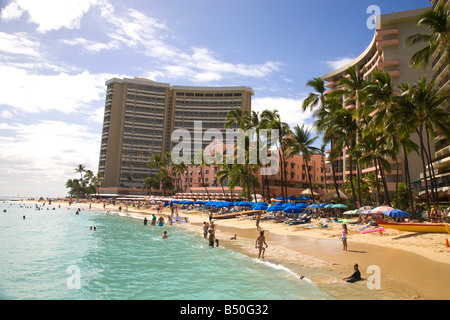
x: 411, y: 265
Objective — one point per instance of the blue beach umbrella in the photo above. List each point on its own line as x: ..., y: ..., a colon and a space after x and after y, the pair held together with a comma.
x: 304, y: 198
x: 396, y: 213
x: 275, y: 207
x: 292, y: 210
x: 210, y: 204
x: 260, y: 206
x: 301, y: 205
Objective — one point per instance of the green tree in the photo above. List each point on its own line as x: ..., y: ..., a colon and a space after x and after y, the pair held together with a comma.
x: 438, y: 39
x: 301, y: 141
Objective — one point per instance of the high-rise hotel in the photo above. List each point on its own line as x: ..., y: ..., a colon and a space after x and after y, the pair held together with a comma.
x: 387, y: 52
x: 140, y: 116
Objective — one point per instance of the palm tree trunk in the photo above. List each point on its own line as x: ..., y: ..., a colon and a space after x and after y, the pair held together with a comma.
x: 408, y: 181
x: 386, y: 191
x: 309, y: 178
x: 358, y: 177
x: 420, y: 131
x: 431, y: 171
x: 350, y: 158
x: 281, y: 175
x: 376, y: 180
x: 334, y: 175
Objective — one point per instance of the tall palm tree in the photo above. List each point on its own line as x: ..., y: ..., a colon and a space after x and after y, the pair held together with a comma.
x: 352, y: 89
x: 270, y: 119
x: 427, y: 106
x: 344, y: 127
x: 315, y: 100
x: 438, y: 24
x: 324, y: 123
x: 300, y: 141
x: 80, y: 169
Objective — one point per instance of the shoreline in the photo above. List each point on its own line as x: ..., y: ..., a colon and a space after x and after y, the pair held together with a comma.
x: 400, y: 256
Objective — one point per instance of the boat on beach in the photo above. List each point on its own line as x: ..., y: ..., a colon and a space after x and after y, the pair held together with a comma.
x: 235, y: 214
x: 417, y: 227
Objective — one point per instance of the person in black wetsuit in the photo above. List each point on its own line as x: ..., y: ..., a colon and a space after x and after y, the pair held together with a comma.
x: 356, y: 275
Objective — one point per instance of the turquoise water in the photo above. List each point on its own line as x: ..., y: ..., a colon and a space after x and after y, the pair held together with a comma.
x: 53, y: 254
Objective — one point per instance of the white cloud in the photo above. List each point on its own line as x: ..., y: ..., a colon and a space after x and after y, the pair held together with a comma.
x: 339, y: 63
x: 5, y: 114
x: 19, y: 43
x: 31, y: 92
x: 45, y: 153
x: 290, y: 109
x: 92, y: 46
x: 49, y: 14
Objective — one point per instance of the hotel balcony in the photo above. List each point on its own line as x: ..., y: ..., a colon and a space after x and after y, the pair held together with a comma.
x: 386, y: 32
x: 388, y: 63
x: 331, y: 84
x: 387, y: 43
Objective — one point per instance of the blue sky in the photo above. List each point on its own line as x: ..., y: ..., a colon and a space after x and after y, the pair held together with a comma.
x: 55, y: 56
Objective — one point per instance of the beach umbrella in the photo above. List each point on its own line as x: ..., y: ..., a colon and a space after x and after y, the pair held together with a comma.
x: 380, y: 209
x: 292, y: 210
x: 323, y: 205
x: 275, y: 207
x: 304, y: 198
x: 301, y: 205
x: 339, y: 206
x: 293, y: 198
x: 395, y: 213
x: 260, y: 206
x: 328, y: 206
x: 210, y: 203
x: 314, y: 206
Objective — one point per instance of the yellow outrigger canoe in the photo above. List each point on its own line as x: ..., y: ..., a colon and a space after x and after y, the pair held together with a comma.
x: 417, y: 227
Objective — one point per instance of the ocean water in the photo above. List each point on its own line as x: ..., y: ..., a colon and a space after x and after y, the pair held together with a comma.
x: 53, y: 254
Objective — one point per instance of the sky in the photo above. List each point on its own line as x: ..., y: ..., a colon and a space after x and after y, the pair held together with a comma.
x: 56, y: 55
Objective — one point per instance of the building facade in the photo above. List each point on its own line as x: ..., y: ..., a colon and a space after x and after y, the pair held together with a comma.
x: 441, y: 160
x: 141, y: 115
x: 386, y: 53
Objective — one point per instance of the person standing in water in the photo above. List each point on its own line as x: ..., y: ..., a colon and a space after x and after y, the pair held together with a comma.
x: 344, y: 236
x: 260, y: 242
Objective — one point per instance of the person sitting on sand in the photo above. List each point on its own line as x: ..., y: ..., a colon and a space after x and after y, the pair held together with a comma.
x: 356, y: 275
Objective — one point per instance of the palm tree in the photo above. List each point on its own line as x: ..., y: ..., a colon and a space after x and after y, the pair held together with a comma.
x: 150, y: 183
x: 300, y: 141
x: 180, y: 170
x: 352, y: 89
x: 438, y: 23
x: 427, y: 104
x: 199, y: 162
x: 315, y: 100
x: 80, y: 169
x: 344, y: 127
x: 324, y: 124
x: 271, y: 120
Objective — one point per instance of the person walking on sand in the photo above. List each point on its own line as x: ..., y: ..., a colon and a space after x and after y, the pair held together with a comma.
x: 259, y: 244
x: 258, y: 220
x: 344, y: 237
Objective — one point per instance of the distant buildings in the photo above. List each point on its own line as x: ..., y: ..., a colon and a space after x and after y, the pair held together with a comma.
x: 140, y: 116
